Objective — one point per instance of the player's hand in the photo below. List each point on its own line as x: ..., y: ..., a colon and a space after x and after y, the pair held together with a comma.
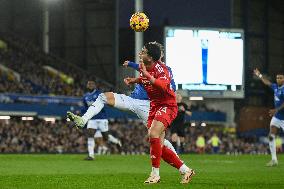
x: 125, y: 64
x: 272, y: 112
x: 142, y: 67
x: 143, y: 70
x: 181, y: 108
x: 256, y: 72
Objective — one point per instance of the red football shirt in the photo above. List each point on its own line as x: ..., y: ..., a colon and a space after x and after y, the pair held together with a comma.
x: 160, y: 93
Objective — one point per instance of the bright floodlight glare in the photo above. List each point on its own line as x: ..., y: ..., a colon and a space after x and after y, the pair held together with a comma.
x: 5, y: 117
x: 27, y: 118
x: 203, y: 124
x: 50, y: 119
x: 196, y: 98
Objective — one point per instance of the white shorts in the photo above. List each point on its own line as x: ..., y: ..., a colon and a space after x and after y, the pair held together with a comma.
x: 277, y: 123
x: 98, y: 124
x: 98, y: 134
x: 139, y: 107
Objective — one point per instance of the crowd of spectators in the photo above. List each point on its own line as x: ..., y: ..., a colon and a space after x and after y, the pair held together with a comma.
x: 39, y: 136
x: 28, y: 60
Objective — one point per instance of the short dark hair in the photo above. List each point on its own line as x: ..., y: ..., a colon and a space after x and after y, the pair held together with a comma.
x: 280, y: 72
x: 153, y: 50
x: 160, y: 45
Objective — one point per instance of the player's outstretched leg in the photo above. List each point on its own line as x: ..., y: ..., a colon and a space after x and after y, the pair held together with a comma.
x: 79, y: 122
x: 96, y: 107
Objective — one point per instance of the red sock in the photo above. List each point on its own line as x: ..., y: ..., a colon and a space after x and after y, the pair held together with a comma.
x: 155, y: 152
x: 171, y: 158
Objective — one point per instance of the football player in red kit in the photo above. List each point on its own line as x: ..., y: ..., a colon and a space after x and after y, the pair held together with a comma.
x: 163, y: 109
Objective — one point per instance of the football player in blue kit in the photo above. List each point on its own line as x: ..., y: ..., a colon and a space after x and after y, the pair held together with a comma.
x: 277, y: 113
x: 98, y: 122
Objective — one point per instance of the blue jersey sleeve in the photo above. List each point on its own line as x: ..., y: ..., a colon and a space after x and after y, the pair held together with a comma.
x: 133, y: 65
x: 173, y: 84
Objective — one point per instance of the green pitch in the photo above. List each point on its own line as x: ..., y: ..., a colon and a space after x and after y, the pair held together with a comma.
x: 114, y: 171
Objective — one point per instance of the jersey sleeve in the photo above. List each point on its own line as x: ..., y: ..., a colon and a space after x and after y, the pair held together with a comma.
x: 133, y: 65
x: 162, y: 78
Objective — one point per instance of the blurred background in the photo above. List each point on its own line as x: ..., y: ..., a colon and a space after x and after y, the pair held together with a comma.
x: 49, y: 49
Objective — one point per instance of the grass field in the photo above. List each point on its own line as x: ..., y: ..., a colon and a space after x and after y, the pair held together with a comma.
x: 115, y: 171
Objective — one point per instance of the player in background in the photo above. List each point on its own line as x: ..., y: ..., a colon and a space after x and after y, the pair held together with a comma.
x: 155, y: 78
x: 97, y: 122
x: 138, y: 102
x: 277, y: 113
x: 177, y: 126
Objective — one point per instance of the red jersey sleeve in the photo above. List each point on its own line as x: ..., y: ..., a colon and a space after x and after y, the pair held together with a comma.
x: 162, y: 78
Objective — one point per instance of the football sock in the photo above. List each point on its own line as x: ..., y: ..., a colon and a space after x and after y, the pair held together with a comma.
x: 91, y: 146
x: 95, y: 108
x: 104, y: 150
x: 155, y: 152
x: 155, y: 171
x: 171, y: 158
x: 169, y: 145
x: 183, y: 169
x: 113, y: 139
x: 272, y: 147
x: 100, y: 150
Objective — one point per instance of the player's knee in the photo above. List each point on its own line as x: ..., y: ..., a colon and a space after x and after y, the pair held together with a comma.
x: 102, y: 97
x: 153, y: 134
x: 109, y: 98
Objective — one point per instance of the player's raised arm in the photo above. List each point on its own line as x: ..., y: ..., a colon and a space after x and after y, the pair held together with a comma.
x: 260, y: 76
x: 130, y: 64
x: 161, y: 82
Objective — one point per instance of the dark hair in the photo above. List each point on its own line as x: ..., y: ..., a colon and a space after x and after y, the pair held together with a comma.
x: 159, y: 44
x: 153, y: 50
x: 280, y: 72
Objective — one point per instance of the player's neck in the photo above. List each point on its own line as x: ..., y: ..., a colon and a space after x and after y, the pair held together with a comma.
x: 150, y: 66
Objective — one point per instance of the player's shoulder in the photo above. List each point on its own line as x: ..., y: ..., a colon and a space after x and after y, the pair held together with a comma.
x: 86, y: 94
x: 274, y: 86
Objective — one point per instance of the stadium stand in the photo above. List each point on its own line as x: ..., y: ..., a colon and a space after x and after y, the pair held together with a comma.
x: 39, y: 136
x: 36, y: 70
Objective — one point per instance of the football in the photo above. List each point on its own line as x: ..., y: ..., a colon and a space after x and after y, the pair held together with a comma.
x: 139, y: 22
